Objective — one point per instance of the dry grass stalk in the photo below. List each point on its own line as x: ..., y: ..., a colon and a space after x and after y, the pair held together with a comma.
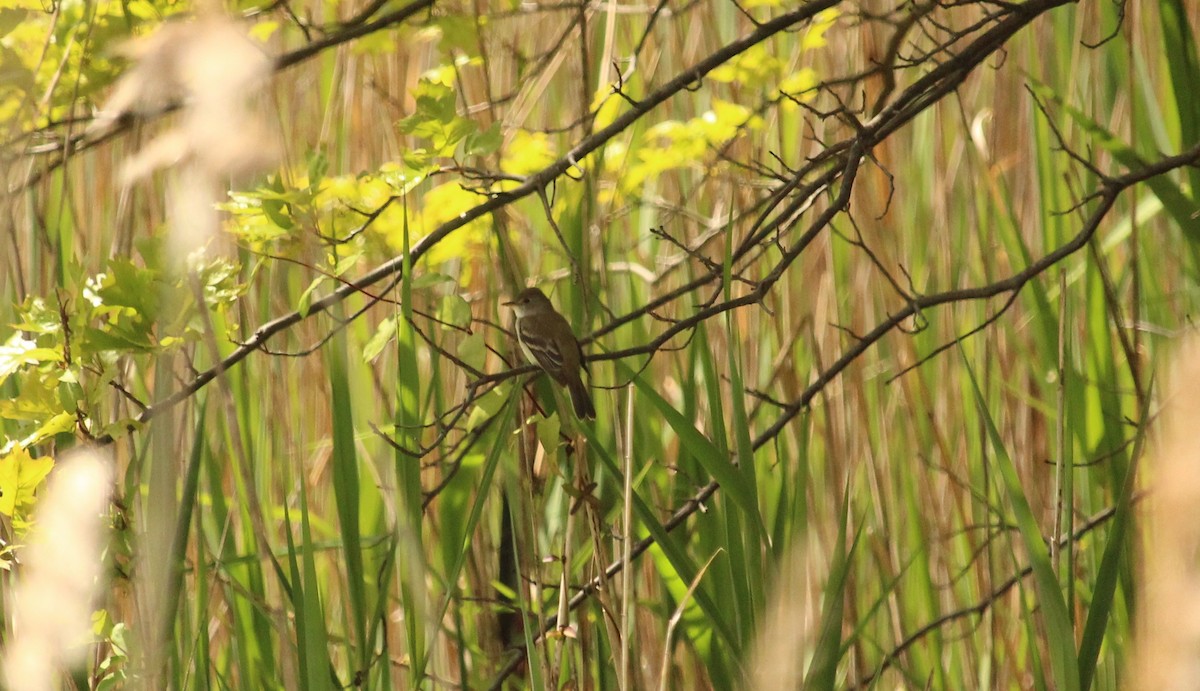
x: 1168, y: 632
x: 785, y: 643
x: 215, y: 72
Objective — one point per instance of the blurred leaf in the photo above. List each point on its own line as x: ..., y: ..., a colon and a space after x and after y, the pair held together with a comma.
x: 814, y: 36
x: 527, y: 153
x: 37, y: 317
x: 117, y: 339
x: 276, y: 207
x: 483, y: 143
x: 221, y: 280
x: 347, y: 490
x: 345, y: 263
x: 443, y: 204
x: 455, y: 311
x: 318, y: 167
x: 672, y: 144
x: 10, y: 18
x: 431, y: 279
x: 60, y: 423
x: 1116, y: 548
x: 752, y: 67
x: 38, y: 400
x: 381, y: 43
x: 405, y: 178
x: 263, y: 30
x: 13, y: 73
x: 459, y: 32
x: 488, y: 405
x: 306, y: 297
x: 383, y: 335
x: 473, y: 350
x: 136, y: 289
x: 547, y: 429
x: 677, y: 557
x: 1183, y: 65
x: 18, y: 352
x: 20, y: 476
x: 822, y: 672
x: 799, y: 85
x: 436, y: 118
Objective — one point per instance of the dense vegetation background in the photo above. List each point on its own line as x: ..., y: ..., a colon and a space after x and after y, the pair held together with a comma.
x: 874, y: 297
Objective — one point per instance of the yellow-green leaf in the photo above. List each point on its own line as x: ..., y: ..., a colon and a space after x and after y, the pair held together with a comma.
x: 62, y: 422
x: 20, y: 477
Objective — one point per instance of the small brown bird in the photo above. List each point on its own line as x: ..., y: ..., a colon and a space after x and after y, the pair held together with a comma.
x: 547, y: 341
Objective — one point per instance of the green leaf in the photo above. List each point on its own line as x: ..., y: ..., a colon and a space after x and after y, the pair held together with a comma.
x: 488, y: 405
x: 432, y: 279
x: 1183, y: 63
x: 1115, y: 549
x: 13, y: 72
x: 436, y: 118
x: 137, y: 289
x: 456, y: 555
x: 10, y: 18
x: 318, y: 166
x: 347, y: 491
x: 346, y: 263
x: 822, y: 673
x: 306, y: 297
x: 36, y: 317
x: 547, y: 430
x: 38, y: 400
x: 382, y: 336
x: 20, y: 476
x: 455, y: 312
x: 715, y: 462
x: 116, y: 338
x: 1060, y: 637
x: 416, y: 158
x: 460, y: 33
x: 678, y: 557
x: 18, y: 352
x: 275, y: 207
x: 483, y: 143
x: 435, y: 101
x: 60, y: 423
x: 473, y: 351
x: 375, y: 43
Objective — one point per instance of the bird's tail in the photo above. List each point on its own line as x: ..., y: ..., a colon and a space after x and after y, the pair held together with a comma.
x: 580, y: 400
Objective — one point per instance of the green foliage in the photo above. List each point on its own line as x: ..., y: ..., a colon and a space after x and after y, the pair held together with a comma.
x: 1174, y: 199
x: 62, y: 358
x: 82, y: 41
x: 672, y: 145
x: 111, y: 671
x: 1051, y: 604
x: 436, y: 120
x: 823, y: 674
x: 20, y: 477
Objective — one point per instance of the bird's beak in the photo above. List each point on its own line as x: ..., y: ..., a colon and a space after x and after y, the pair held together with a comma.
x: 510, y: 303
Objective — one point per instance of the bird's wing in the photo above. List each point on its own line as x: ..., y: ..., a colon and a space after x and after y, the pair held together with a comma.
x: 544, y: 350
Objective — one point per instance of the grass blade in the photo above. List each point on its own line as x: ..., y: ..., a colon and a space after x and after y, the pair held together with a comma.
x: 1053, y: 610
